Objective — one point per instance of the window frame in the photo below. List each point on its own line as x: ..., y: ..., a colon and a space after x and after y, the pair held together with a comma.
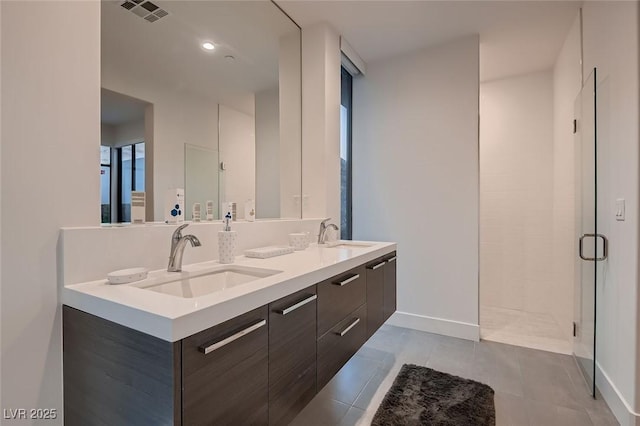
x: 119, y: 189
x: 346, y: 100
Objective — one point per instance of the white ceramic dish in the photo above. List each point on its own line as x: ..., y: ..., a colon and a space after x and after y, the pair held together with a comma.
x: 267, y: 252
x: 124, y: 276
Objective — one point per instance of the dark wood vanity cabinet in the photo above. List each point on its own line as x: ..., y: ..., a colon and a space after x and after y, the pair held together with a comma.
x: 381, y: 291
x: 114, y: 375
x: 390, y: 289
x: 339, y: 296
x: 260, y: 368
x: 342, y: 321
x: 292, y: 355
x: 340, y: 343
x: 375, y: 295
x: 225, y: 372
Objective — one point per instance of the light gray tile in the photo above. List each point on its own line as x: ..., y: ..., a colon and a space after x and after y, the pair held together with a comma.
x: 365, y: 397
x: 387, y: 337
x: 478, y: 375
x: 537, y: 359
x: 532, y: 387
x: 347, y: 384
x: 569, y: 417
x: 321, y: 411
x: 551, y: 393
x: 453, y: 342
x: 572, y: 369
x: 510, y: 410
x: 540, y: 413
x: 452, y: 359
x: 450, y: 366
x: 415, y: 352
x: 533, y: 372
x: 374, y: 354
x: 602, y: 417
x: 506, y: 383
x: 353, y: 417
x: 586, y: 400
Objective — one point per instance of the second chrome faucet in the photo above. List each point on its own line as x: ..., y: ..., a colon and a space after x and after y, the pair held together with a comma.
x: 322, y: 235
x: 178, y: 244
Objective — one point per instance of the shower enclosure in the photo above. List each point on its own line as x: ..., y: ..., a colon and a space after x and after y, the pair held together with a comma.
x: 591, y: 245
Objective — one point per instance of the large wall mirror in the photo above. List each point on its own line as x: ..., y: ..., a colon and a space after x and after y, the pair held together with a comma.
x: 200, y: 95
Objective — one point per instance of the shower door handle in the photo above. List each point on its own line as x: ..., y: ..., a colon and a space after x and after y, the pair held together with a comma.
x: 605, y: 247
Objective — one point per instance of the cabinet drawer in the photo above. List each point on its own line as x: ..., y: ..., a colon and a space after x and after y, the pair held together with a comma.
x: 340, y: 295
x: 375, y: 294
x: 288, y: 401
x: 292, y: 355
x: 229, y: 384
x: 340, y: 343
x: 390, y: 289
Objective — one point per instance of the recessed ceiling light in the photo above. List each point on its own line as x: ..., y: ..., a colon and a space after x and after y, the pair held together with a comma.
x: 207, y: 45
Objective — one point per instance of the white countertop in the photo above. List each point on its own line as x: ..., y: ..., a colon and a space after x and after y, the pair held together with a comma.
x: 172, y: 318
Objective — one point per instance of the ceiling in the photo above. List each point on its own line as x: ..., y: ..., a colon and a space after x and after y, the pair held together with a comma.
x: 516, y: 37
x: 167, y: 54
x: 117, y: 109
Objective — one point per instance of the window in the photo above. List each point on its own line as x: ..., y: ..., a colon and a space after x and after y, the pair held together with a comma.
x: 126, y: 175
x: 105, y: 183
x: 345, y: 156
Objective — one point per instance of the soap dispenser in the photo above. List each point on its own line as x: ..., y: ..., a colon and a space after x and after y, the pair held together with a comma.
x: 227, y: 242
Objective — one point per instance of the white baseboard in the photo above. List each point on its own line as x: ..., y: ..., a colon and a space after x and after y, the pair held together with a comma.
x: 462, y: 330
x: 614, y: 399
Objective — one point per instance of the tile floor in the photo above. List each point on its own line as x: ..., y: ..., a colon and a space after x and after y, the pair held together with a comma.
x: 520, y: 328
x: 532, y: 387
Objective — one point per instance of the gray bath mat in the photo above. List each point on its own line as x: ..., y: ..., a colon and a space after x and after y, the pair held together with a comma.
x: 422, y: 396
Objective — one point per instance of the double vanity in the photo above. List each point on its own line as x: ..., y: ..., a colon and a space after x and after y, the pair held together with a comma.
x: 246, y: 343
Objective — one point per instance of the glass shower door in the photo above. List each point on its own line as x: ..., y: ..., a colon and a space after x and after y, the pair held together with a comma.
x: 591, y: 246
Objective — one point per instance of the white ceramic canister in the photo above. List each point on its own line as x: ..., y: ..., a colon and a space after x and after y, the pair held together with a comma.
x: 299, y: 240
x: 227, y: 246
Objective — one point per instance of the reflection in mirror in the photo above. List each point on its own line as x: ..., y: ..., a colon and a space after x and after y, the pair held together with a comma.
x: 123, y: 133
x: 238, y: 152
x: 234, y: 102
x: 201, y: 179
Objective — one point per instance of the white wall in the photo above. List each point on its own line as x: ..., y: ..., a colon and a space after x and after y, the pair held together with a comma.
x: 267, y: 154
x: 129, y: 133
x: 238, y: 152
x: 50, y: 152
x: 610, y: 43
x: 567, y: 81
x: 321, y: 122
x: 516, y: 192
x: 290, y: 88
x: 107, y: 134
x: 415, y: 180
x: 122, y: 134
x: 1, y: 404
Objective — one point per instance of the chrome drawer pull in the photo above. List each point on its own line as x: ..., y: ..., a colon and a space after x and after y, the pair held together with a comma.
x: 346, y: 330
x: 378, y: 265
x: 348, y: 280
x: 392, y: 259
x: 208, y: 349
x: 295, y: 306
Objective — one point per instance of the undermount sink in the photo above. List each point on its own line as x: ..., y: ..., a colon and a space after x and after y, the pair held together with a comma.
x: 222, y: 278
x: 349, y: 244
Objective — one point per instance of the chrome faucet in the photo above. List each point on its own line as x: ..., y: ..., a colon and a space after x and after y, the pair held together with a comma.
x: 322, y: 235
x: 178, y: 244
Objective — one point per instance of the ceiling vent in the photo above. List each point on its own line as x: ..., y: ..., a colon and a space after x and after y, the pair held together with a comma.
x: 147, y: 10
